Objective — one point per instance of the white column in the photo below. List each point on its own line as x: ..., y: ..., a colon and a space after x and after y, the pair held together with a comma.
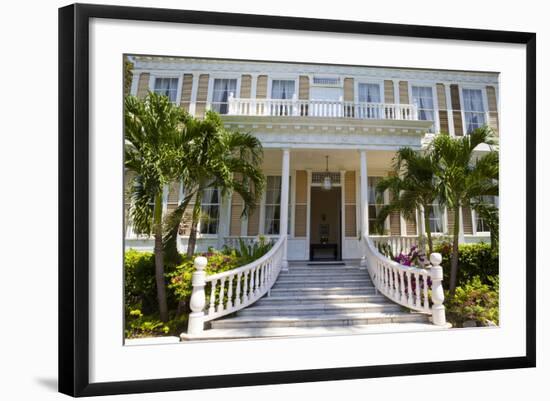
x: 420, y: 224
x: 364, y: 199
x: 284, y: 203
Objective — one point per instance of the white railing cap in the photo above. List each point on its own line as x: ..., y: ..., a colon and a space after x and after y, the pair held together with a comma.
x: 249, y: 266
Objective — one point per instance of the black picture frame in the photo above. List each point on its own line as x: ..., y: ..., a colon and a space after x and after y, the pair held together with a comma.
x: 74, y: 201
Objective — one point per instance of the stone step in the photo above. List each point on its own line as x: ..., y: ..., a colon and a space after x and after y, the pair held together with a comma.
x: 335, y: 281
x: 339, y: 319
x: 327, y: 290
x: 319, y: 309
x: 254, y: 332
x: 318, y: 269
x: 347, y: 274
x: 319, y: 298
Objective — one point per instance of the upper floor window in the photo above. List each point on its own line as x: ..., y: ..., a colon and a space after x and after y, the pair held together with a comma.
x: 221, y: 92
x: 210, y: 211
x: 368, y: 93
x: 167, y: 87
x: 422, y: 97
x: 282, y: 89
x: 474, y: 110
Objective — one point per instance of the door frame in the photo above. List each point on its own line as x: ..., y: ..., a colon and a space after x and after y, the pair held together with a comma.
x: 339, y: 235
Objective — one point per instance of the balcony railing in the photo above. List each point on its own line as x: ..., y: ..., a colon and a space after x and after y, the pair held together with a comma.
x: 320, y: 108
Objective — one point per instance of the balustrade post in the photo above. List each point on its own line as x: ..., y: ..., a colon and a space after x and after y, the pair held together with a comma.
x: 438, y: 309
x: 231, y: 101
x: 198, y: 298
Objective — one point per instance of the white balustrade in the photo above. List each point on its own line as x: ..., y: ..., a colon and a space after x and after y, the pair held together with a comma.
x: 320, y: 108
x: 408, y: 285
x: 234, y: 289
x: 234, y: 241
x: 397, y: 244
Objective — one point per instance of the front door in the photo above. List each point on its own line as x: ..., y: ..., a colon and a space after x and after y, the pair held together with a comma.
x: 325, y: 238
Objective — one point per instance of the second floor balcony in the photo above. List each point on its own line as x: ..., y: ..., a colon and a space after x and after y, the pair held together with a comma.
x: 316, y: 108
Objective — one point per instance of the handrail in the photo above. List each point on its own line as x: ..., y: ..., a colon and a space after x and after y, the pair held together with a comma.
x: 406, y: 285
x: 245, y: 285
x: 397, y: 243
x: 320, y: 108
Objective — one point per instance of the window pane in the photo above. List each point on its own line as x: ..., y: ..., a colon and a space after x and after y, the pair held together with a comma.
x: 474, y: 110
x: 221, y: 92
x: 436, y: 219
x: 210, y: 209
x: 422, y: 98
x: 282, y: 89
x: 369, y: 93
x: 167, y: 87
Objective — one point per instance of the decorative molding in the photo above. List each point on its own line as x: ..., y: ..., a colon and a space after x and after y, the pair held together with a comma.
x: 155, y: 64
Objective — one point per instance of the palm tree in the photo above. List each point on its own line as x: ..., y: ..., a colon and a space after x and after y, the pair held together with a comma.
x: 151, y: 129
x: 463, y: 178
x: 214, y: 158
x: 412, y: 187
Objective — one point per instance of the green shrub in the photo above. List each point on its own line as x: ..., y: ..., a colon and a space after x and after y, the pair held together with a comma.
x: 475, y: 301
x: 139, y: 325
x: 139, y: 281
x: 473, y: 260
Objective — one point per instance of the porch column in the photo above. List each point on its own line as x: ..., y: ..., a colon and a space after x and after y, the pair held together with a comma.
x: 283, y: 224
x: 364, y: 199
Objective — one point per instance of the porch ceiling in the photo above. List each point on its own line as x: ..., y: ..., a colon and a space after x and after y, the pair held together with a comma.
x: 338, y: 159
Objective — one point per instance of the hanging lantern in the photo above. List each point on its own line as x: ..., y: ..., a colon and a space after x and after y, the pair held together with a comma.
x: 327, y: 182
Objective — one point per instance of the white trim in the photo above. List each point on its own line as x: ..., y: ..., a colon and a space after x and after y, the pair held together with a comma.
x: 194, y: 91
x: 135, y: 83
x: 396, y: 97
x: 448, y: 100
x: 359, y: 72
x: 342, y: 212
x: 253, y: 85
x: 308, y: 214
x: 292, y: 206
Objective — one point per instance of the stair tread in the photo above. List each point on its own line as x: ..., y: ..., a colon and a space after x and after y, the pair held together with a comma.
x: 263, y: 332
x: 320, y: 296
x: 328, y: 316
x: 322, y: 306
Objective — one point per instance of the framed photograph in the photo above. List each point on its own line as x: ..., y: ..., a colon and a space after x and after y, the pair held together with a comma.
x: 252, y: 199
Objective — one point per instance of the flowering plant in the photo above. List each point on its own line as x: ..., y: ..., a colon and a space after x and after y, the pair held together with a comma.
x: 415, y: 257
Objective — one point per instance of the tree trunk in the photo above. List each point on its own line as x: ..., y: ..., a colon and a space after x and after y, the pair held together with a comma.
x: 428, y: 229
x: 454, y: 254
x: 159, y: 261
x: 191, y: 243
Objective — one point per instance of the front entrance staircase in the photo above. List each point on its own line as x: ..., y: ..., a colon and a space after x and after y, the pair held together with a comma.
x: 316, y: 300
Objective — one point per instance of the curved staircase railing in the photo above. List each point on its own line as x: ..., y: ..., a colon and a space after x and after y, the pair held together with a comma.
x: 232, y: 290
x: 419, y: 289
x: 397, y: 243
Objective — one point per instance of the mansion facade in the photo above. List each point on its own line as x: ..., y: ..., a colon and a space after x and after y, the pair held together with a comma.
x: 329, y: 134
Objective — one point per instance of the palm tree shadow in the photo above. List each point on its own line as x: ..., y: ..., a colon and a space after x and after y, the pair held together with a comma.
x: 49, y: 383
